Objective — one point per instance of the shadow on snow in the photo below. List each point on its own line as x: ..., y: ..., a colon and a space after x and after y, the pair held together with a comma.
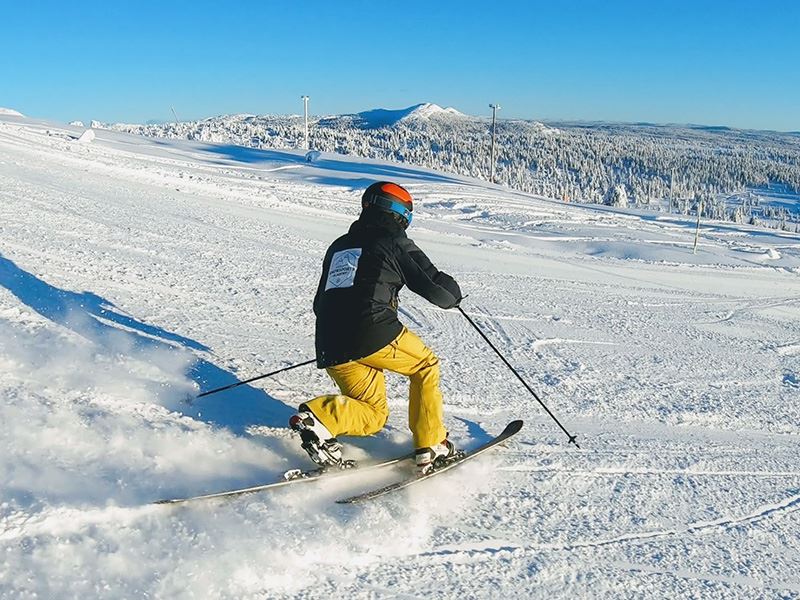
x: 371, y: 171
x: 99, y: 321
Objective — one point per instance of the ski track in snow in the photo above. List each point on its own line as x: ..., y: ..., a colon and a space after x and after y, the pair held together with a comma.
x: 490, y: 552
x: 135, y: 272
x: 788, y: 349
x: 790, y: 505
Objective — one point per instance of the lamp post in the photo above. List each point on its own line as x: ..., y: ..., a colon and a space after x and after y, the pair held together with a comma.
x: 305, y: 117
x: 495, y: 108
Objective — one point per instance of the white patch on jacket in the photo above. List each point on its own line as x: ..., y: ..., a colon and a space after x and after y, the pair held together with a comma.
x: 342, y: 272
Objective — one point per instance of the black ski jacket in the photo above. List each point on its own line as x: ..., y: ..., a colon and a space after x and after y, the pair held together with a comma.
x: 362, y: 274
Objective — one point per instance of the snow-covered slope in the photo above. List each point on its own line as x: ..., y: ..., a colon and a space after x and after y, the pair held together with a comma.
x: 134, y: 272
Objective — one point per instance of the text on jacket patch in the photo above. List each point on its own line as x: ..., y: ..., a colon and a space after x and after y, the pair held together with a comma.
x: 342, y: 272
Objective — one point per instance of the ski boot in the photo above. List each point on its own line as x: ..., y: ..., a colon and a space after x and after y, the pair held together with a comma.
x: 428, y: 459
x: 324, y: 449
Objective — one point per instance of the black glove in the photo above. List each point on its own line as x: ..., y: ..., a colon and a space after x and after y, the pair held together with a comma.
x: 448, y: 283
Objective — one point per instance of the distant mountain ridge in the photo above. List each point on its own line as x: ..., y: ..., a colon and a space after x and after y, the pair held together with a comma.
x: 381, y: 117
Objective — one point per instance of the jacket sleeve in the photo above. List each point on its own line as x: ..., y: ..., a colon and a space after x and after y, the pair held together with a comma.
x: 326, y: 264
x: 424, y: 279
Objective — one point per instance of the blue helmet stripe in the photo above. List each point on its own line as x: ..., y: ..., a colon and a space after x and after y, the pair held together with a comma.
x: 396, y: 207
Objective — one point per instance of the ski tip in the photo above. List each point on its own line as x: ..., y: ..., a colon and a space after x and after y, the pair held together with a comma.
x: 514, y: 426
x: 170, y: 501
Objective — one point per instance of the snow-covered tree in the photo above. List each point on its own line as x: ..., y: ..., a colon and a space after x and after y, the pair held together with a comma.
x: 616, y: 195
x: 654, y: 165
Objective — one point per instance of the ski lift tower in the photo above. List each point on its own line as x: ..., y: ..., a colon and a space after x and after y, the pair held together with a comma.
x: 305, y: 117
x: 495, y: 108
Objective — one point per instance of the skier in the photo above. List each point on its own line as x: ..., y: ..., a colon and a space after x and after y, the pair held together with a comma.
x: 358, y: 334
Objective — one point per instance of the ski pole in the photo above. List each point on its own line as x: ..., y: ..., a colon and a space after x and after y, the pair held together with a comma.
x: 572, y: 438
x: 237, y: 384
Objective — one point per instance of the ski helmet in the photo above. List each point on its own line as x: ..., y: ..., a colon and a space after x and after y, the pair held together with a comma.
x: 389, y: 197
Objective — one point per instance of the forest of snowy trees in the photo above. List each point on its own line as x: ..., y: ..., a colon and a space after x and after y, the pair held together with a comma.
x: 732, y: 174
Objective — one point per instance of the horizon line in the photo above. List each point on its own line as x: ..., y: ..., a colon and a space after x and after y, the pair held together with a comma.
x: 554, y: 121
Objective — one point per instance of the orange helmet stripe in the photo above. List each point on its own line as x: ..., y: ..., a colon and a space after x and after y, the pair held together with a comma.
x: 398, y: 192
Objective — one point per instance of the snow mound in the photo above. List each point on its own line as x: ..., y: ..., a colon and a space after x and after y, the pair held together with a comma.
x: 10, y: 112
x: 87, y: 137
x: 381, y: 117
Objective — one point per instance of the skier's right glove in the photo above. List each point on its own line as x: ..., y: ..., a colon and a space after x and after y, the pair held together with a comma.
x: 448, y: 283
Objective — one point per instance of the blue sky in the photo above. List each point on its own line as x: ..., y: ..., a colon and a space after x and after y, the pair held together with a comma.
x: 719, y: 63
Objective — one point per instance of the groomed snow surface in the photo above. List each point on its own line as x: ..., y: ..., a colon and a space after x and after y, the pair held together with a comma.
x: 135, y: 273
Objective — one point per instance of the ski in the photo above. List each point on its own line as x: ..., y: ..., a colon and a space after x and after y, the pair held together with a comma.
x: 290, y: 477
x: 510, y: 430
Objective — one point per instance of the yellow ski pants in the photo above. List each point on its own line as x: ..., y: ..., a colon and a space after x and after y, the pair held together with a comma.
x: 361, y: 408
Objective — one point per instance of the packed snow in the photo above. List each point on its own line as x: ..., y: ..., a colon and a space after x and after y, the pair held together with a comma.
x: 135, y: 273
